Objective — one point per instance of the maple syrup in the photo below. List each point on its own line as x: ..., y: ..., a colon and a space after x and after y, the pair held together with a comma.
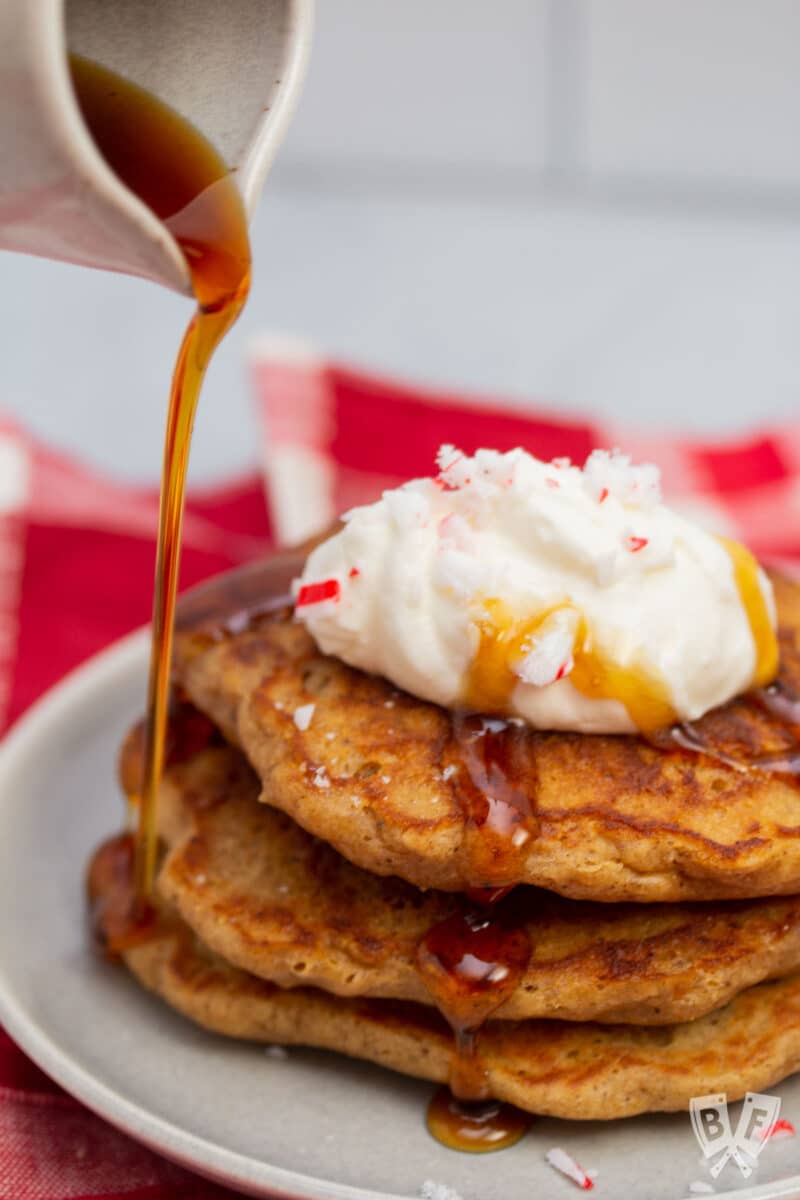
x: 177, y: 173
x: 781, y: 705
x: 495, y: 784
x: 746, y: 573
x: 471, y: 962
x: 477, y: 1128
x: 780, y: 701
x: 505, y: 640
x: 120, y: 919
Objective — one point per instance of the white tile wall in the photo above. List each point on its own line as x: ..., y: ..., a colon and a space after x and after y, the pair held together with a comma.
x: 425, y: 83
x: 701, y: 91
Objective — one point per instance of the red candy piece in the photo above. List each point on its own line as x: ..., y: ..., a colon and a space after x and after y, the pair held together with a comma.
x: 315, y: 593
x: 603, y: 496
x: 637, y: 543
x: 354, y: 572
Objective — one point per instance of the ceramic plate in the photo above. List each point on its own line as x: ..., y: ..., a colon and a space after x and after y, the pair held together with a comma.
x: 314, y: 1125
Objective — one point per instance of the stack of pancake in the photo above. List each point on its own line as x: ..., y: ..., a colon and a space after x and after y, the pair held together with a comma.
x: 606, y: 925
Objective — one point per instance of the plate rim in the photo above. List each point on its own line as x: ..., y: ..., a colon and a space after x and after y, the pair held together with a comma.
x: 173, y: 1142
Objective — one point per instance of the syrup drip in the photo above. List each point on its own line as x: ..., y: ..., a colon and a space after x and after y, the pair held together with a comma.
x: 120, y: 919
x: 746, y: 574
x: 779, y: 701
x: 471, y: 962
x: 494, y: 785
x: 179, y: 175
x: 475, y: 1128
x: 505, y: 640
x: 781, y: 704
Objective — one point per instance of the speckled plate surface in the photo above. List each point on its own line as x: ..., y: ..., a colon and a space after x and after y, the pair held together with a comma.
x: 312, y: 1126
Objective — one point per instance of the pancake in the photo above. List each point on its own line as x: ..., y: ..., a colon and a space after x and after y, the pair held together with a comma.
x: 556, y: 1068
x: 279, y: 903
x: 401, y: 787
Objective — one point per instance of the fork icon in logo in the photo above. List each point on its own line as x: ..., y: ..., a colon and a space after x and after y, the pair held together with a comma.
x: 711, y: 1125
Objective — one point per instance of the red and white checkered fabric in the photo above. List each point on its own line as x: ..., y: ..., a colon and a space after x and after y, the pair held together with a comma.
x: 76, y: 566
x: 336, y: 437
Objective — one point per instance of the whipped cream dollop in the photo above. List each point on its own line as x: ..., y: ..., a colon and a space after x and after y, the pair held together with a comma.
x: 571, y: 598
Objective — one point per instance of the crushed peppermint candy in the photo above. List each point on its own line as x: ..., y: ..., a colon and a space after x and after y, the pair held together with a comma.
x: 437, y: 1191
x: 612, y: 473
x: 317, y: 593
x: 549, y: 657
x: 605, y: 474
x: 319, y: 777
x: 635, y: 544
x: 303, y: 715
x: 566, y: 1165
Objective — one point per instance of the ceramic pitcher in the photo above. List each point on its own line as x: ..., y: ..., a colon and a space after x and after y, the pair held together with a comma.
x: 234, y: 69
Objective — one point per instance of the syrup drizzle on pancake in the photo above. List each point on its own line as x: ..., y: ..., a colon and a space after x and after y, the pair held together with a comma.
x: 119, y: 920
x: 782, y: 704
x: 754, y: 602
x: 471, y: 962
x: 505, y: 640
x: 120, y: 917
x: 495, y: 785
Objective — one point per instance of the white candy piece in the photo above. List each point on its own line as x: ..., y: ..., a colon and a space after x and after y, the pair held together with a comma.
x: 438, y: 1191
x: 550, y: 656
x: 303, y: 715
x: 560, y: 1161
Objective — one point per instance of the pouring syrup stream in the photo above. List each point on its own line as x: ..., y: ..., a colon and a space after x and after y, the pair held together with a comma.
x: 177, y: 173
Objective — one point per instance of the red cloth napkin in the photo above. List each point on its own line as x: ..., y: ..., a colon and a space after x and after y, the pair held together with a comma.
x: 76, y: 565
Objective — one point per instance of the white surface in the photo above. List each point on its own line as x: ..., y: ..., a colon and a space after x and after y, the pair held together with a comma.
x: 427, y: 85
x: 706, y: 91
x: 654, y: 317
x: 300, y: 1125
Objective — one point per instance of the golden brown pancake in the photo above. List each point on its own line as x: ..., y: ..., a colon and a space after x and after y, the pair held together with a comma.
x: 557, y: 1068
x: 400, y: 787
x: 279, y: 903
